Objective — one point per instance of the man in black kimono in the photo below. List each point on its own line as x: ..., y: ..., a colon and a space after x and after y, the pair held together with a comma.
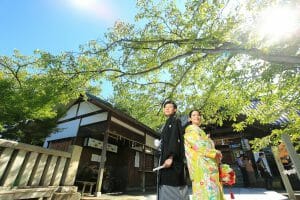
x: 171, y: 178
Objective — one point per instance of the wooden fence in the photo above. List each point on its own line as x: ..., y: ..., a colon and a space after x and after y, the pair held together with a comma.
x: 28, y: 171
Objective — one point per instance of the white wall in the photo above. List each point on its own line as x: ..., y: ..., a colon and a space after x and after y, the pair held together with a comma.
x: 65, y: 130
x: 94, y: 118
x: 70, y: 128
x: 82, y: 107
x: 87, y: 107
x: 70, y: 113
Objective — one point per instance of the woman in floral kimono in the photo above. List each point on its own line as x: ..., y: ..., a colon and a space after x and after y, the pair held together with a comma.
x: 203, y: 161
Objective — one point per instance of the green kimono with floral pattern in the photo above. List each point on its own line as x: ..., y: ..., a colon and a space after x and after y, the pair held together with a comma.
x: 203, y: 168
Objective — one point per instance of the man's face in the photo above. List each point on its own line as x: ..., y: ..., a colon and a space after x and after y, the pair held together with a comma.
x: 169, y: 109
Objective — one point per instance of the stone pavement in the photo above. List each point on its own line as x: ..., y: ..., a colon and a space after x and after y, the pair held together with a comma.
x: 239, y: 194
x: 254, y: 194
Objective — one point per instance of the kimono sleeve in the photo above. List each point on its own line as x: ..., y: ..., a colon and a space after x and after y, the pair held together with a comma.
x: 197, y: 143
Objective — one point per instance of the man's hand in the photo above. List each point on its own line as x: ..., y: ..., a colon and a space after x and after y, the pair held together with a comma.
x: 168, y: 162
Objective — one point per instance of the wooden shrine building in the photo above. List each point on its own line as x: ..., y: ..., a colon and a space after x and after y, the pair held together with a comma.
x: 118, y: 151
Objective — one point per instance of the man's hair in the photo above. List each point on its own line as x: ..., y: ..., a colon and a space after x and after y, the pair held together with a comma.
x: 170, y: 102
x: 261, y: 154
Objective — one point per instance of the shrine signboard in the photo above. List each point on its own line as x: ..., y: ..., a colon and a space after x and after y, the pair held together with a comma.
x: 91, y: 142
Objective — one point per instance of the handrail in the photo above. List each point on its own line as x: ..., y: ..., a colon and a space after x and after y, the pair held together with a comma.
x: 28, y: 147
x: 23, y: 165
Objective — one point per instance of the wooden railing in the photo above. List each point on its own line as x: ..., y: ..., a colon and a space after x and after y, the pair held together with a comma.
x: 28, y: 171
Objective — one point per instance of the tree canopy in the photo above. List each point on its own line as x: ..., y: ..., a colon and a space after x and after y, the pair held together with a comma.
x: 34, y: 91
x: 205, y: 54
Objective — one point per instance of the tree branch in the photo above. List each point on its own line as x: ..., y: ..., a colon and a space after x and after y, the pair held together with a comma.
x: 151, y: 83
x: 158, y: 66
x: 180, y: 80
x: 254, y: 53
x: 15, y: 74
x: 94, y: 71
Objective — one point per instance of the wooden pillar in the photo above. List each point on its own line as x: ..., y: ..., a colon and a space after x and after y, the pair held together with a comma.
x: 284, y: 177
x: 292, y: 152
x: 102, y: 165
x: 144, y: 166
x: 103, y: 159
x: 70, y: 175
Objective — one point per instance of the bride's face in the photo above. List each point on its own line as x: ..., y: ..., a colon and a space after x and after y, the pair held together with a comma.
x: 195, y: 118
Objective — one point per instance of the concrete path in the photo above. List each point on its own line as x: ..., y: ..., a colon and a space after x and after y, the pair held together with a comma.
x: 239, y: 194
x: 254, y: 194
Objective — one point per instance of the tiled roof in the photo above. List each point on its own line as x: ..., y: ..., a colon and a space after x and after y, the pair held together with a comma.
x: 283, y: 119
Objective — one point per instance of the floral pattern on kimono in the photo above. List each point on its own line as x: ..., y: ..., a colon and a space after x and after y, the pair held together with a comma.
x: 202, y: 165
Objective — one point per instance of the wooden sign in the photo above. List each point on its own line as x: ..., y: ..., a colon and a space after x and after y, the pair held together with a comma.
x: 96, y: 158
x: 91, y: 142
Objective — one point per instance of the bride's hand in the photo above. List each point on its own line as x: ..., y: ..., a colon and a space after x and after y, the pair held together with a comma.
x: 219, y: 157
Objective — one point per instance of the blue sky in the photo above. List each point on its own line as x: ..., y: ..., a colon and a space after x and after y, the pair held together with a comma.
x: 58, y: 25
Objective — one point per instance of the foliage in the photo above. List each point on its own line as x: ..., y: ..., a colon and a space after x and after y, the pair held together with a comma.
x: 291, y: 129
x: 33, y: 90
x: 205, y: 54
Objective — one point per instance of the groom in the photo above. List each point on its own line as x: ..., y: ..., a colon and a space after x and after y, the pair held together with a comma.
x: 171, y: 180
